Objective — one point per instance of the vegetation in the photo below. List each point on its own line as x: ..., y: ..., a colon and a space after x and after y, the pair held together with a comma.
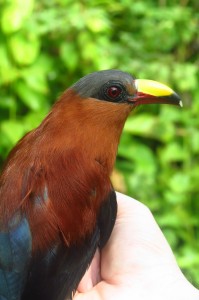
x: 47, y: 45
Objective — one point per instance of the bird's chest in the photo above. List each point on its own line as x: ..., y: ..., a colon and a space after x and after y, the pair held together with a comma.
x: 68, y: 203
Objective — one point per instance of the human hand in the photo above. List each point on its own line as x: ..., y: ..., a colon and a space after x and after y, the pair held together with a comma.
x: 136, y: 263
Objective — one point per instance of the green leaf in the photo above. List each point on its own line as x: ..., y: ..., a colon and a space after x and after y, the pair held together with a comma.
x: 30, y: 97
x: 13, y: 130
x: 149, y: 126
x: 180, y: 183
x: 186, y: 76
x: 96, y: 20
x: 173, y: 152
x: 24, y: 47
x: 8, y: 72
x: 15, y: 14
x: 137, y: 153
x: 143, y: 124
x: 69, y: 55
x: 35, y: 78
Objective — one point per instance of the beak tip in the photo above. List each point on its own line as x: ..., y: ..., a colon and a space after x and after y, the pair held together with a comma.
x: 177, y: 98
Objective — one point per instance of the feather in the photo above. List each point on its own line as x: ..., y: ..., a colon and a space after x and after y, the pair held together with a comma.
x: 56, y: 274
x: 57, y: 179
x: 15, y: 254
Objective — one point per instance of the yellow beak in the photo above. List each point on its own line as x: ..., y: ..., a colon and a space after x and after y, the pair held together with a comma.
x: 149, y: 91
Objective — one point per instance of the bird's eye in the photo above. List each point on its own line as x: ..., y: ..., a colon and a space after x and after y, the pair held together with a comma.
x: 114, y: 91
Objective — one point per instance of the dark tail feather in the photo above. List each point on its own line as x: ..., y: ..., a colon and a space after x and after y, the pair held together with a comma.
x: 57, y: 275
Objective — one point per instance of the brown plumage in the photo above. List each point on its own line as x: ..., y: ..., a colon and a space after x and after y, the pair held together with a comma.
x: 57, y: 179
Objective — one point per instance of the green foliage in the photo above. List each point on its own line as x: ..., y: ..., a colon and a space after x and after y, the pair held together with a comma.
x: 46, y: 45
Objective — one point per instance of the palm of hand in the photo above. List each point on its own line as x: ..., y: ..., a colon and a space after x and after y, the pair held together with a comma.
x: 137, y: 262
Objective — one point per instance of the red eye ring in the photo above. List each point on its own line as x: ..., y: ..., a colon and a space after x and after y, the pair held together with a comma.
x: 114, y: 91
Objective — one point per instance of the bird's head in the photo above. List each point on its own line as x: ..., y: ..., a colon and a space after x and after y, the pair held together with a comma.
x: 120, y: 87
x: 92, y: 112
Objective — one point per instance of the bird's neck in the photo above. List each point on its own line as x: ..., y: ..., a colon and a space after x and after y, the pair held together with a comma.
x: 93, y: 126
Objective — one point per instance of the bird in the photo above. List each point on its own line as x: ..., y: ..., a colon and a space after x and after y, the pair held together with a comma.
x: 57, y: 202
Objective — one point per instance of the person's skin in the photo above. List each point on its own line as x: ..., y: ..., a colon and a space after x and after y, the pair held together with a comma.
x: 137, y: 262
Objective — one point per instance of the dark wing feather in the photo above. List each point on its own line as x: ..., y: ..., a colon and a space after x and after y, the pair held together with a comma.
x: 56, y: 275
x: 15, y: 253
x: 107, y: 218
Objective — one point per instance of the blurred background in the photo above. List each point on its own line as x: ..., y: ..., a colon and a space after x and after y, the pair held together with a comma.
x: 47, y: 45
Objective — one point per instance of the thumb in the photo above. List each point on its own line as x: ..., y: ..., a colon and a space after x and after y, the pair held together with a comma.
x: 93, y: 294
x: 104, y: 290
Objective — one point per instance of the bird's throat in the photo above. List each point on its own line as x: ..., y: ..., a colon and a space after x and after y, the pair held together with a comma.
x: 92, y: 125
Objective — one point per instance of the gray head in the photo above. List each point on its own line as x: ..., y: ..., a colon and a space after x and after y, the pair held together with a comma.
x: 120, y: 87
x: 108, y: 85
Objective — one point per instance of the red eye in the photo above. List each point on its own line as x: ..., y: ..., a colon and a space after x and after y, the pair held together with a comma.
x: 114, y: 91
